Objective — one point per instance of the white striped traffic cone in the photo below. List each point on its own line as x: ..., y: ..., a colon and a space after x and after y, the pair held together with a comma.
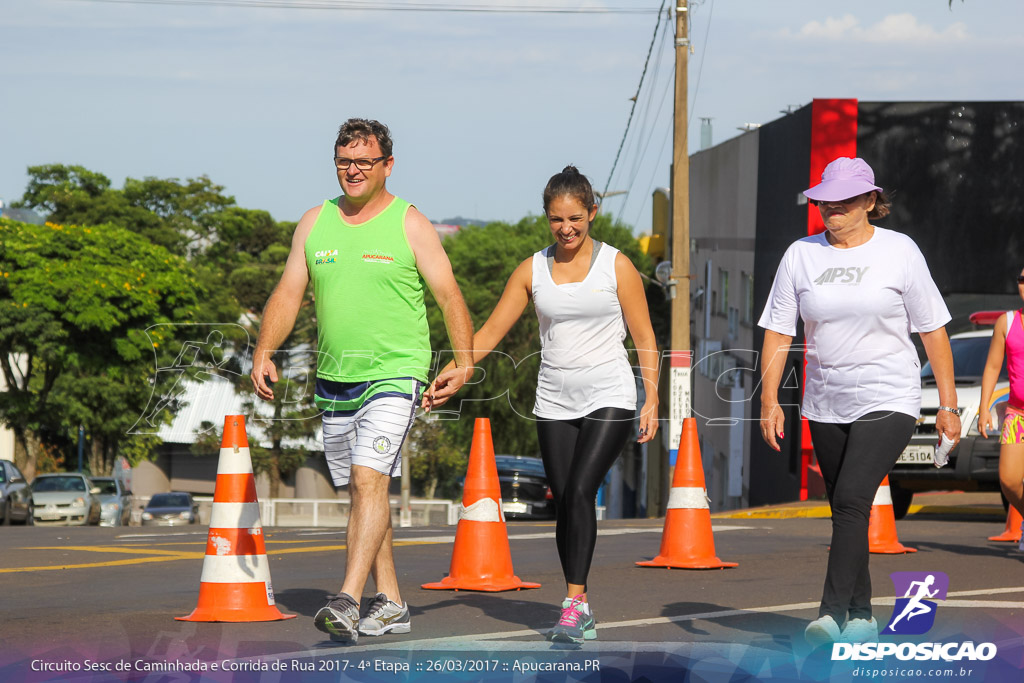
x: 687, y: 541
x: 882, y: 527
x: 235, y: 585
x: 481, y: 560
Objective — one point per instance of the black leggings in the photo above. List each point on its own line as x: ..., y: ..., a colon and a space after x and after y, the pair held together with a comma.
x: 577, y: 455
x: 854, y: 458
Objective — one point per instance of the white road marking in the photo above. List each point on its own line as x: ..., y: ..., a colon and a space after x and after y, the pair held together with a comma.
x: 132, y: 537
x: 459, y: 642
x: 450, y: 538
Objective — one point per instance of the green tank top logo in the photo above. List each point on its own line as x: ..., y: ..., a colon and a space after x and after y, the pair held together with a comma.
x: 325, y: 256
x: 377, y: 256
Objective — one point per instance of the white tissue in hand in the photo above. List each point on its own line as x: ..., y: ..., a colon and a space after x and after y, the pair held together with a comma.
x: 942, y: 451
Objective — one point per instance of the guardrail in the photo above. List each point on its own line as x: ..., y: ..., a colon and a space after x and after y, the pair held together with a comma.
x: 326, y: 512
x: 333, y: 512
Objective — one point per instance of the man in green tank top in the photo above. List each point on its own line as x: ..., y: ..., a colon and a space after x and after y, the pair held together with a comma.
x: 367, y: 254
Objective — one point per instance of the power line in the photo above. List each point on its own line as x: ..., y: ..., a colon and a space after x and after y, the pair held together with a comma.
x: 700, y: 69
x: 703, y: 55
x: 368, y: 6
x: 664, y: 98
x: 650, y: 182
x: 648, y: 108
x: 635, y: 97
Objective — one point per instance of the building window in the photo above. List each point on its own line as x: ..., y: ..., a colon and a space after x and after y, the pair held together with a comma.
x: 723, y: 288
x: 747, y: 284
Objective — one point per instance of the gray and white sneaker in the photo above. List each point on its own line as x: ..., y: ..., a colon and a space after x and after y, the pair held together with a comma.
x: 385, y: 615
x: 339, y: 619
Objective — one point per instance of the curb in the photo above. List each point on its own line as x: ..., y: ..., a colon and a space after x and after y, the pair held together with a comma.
x: 824, y: 511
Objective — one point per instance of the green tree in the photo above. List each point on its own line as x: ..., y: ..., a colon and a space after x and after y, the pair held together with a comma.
x: 436, y: 462
x: 236, y: 256
x: 247, y: 252
x: 174, y: 214
x: 75, y: 303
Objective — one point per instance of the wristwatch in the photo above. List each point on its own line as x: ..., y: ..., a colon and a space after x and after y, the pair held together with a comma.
x: 956, y: 411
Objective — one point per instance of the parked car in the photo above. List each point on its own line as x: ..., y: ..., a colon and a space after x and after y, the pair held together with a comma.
x: 67, y: 498
x: 525, y: 493
x: 974, y: 463
x: 170, y: 509
x: 15, y: 495
x: 115, y: 499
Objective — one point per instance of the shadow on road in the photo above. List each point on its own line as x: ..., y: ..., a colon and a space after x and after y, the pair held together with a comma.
x: 533, y: 614
x: 993, y: 549
x: 773, y: 631
x: 499, y: 606
x: 303, y: 601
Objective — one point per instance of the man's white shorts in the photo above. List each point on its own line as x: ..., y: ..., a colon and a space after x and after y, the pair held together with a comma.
x: 370, y: 437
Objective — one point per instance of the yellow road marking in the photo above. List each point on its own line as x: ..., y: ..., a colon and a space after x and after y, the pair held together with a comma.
x: 111, y: 549
x: 154, y: 555
x: 111, y: 563
x: 203, y: 542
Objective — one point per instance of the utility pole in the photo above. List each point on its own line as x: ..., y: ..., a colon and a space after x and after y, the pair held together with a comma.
x: 661, y: 473
x: 681, y: 188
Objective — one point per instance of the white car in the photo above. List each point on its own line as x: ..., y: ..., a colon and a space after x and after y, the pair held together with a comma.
x: 974, y: 463
x: 66, y: 498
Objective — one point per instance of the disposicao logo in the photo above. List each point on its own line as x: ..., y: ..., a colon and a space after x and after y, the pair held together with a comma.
x: 914, y: 614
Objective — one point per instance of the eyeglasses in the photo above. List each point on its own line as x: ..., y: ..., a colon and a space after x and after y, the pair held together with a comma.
x: 362, y: 164
x: 819, y: 202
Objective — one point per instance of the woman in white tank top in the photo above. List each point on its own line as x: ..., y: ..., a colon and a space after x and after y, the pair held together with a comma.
x: 586, y: 295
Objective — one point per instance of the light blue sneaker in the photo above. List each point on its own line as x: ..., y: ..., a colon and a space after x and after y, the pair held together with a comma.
x: 575, y: 625
x: 860, y: 631
x: 822, y: 631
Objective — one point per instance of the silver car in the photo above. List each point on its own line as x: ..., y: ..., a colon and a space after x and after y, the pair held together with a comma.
x: 170, y: 509
x: 115, y: 499
x: 67, y: 498
x: 15, y: 495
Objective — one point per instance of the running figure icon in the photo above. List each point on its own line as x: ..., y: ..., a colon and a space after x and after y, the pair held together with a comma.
x: 916, y: 607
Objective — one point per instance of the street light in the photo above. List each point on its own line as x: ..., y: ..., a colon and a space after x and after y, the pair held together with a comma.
x: 604, y: 195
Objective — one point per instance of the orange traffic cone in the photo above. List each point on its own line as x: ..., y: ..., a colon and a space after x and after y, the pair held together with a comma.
x: 1012, y: 532
x: 235, y: 585
x: 882, y: 526
x: 687, y: 541
x: 481, y: 560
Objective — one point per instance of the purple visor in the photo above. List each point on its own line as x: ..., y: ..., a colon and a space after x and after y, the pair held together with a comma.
x: 842, y: 179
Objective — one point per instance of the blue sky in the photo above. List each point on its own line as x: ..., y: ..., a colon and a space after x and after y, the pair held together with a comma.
x: 484, y: 107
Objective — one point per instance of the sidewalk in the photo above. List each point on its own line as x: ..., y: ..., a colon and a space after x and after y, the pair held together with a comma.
x: 928, y: 503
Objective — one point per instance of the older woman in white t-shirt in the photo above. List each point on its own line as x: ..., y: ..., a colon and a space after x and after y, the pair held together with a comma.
x: 861, y: 291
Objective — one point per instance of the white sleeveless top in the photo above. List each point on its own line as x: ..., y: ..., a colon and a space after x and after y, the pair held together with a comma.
x: 583, y: 365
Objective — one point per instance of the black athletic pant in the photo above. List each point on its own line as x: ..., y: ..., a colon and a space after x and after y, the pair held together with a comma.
x: 577, y: 455
x: 854, y: 458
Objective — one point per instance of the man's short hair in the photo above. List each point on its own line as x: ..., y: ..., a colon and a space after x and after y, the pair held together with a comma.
x: 362, y: 130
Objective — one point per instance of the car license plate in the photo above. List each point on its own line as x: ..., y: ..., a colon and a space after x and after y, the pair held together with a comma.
x: 518, y: 508
x: 917, y: 455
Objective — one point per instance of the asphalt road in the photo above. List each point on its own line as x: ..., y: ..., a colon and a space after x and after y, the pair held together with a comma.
x: 71, y: 596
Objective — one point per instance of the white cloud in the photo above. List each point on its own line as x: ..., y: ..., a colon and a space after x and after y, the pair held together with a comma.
x: 895, y: 29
